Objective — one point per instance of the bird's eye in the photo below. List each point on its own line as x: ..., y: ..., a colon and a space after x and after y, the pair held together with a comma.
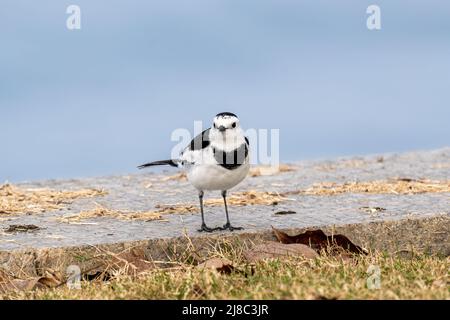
x: 234, y: 125
x: 215, y: 125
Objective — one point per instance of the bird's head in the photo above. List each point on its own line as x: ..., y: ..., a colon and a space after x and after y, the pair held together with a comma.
x: 226, y: 127
x: 225, y: 122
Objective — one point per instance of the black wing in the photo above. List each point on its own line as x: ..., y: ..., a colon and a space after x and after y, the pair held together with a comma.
x: 201, y: 141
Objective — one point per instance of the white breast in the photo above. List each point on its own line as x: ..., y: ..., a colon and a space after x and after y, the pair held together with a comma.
x: 204, y: 173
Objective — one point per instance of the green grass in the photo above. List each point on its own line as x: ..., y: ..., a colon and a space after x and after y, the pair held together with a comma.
x: 327, y: 277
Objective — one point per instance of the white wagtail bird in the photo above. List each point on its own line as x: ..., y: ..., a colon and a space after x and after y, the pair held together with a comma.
x: 216, y: 159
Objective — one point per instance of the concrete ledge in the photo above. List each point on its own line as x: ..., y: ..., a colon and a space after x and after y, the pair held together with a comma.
x: 403, y: 237
x: 389, y: 220
x: 147, y: 191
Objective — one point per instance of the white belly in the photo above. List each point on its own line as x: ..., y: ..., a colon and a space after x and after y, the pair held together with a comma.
x: 215, y: 177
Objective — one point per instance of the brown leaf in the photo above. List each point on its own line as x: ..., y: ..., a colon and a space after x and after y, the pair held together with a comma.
x: 135, y: 257
x: 18, y: 285
x: 219, y: 264
x: 49, y: 281
x: 270, y: 250
x: 97, y: 276
x: 29, y: 284
x: 318, y: 240
x: 343, y: 242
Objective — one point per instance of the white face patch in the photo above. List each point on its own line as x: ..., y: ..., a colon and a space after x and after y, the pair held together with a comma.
x: 228, y: 122
x: 230, y: 136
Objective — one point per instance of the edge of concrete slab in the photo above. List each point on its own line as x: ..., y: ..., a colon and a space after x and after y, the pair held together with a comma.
x: 405, y: 237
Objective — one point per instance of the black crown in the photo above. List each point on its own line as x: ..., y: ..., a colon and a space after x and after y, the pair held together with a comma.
x: 224, y: 114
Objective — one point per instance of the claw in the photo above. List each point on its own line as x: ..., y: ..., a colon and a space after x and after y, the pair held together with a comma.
x: 230, y: 227
x: 204, y: 228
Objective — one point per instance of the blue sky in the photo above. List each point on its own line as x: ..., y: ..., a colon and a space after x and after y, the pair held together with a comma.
x: 105, y: 98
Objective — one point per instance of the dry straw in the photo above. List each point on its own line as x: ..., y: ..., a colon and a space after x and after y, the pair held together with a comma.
x: 393, y: 186
x: 238, y: 199
x: 270, y: 170
x: 15, y: 200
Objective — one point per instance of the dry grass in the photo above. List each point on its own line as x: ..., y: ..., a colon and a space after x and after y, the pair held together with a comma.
x: 270, y: 170
x: 442, y: 165
x: 324, y: 277
x: 246, y: 198
x: 394, y: 186
x: 177, y: 177
x: 249, y: 198
x: 15, y: 200
x: 237, y: 199
x: 101, y: 211
x: 341, y: 164
x: 177, y: 208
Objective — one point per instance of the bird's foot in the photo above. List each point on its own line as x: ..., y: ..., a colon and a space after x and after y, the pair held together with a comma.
x: 204, y: 228
x: 230, y: 227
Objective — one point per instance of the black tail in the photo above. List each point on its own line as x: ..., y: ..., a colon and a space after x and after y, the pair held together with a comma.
x: 172, y: 163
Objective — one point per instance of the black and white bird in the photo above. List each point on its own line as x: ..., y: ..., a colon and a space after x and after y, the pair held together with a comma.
x: 216, y: 159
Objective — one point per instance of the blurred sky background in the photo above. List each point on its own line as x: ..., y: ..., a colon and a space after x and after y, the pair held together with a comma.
x: 106, y: 98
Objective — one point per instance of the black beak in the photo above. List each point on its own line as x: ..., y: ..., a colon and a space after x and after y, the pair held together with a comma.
x: 222, y: 128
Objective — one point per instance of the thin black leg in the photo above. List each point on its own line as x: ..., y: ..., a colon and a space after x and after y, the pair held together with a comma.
x: 224, y: 196
x: 204, y: 227
x: 228, y: 224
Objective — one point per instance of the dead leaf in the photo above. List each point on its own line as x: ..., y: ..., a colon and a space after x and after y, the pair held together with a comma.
x: 48, y: 281
x: 137, y: 258
x: 97, y: 276
x: 318, y: 240
x: 18, y: 285
x: 270, y: 250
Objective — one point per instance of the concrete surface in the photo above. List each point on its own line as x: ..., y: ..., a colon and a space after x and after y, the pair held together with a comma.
x: 131, y: 192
